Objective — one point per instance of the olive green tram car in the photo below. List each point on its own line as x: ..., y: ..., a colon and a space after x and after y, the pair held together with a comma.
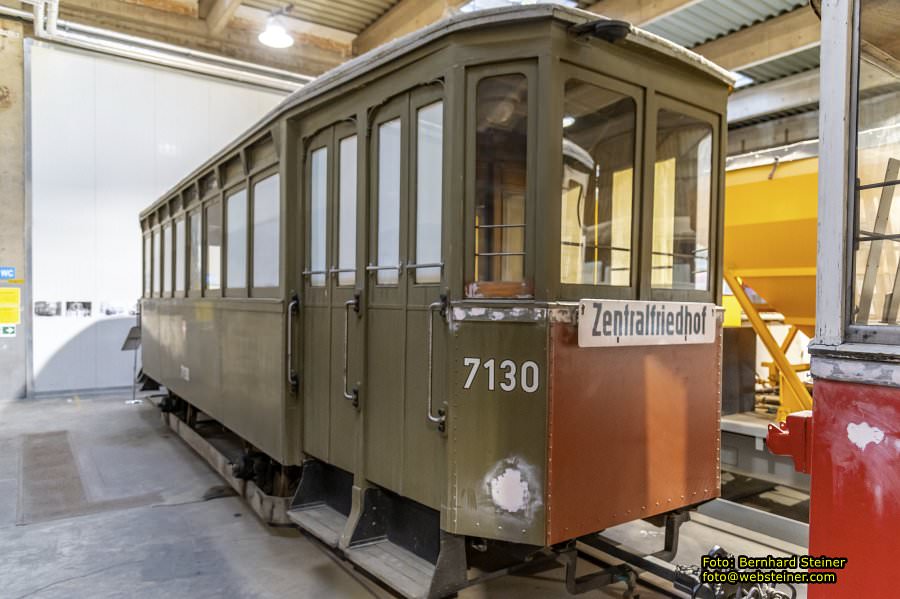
x: 458, y: 296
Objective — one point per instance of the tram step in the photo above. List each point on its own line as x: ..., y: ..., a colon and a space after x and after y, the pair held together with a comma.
x: 321, y: 521
x: 400, y: 569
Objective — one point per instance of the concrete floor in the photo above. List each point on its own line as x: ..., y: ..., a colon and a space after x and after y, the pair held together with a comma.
x: 98, y: 499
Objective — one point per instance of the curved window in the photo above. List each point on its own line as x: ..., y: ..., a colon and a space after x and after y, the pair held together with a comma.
x: 501, y: 149
x: 148, y: 265
x: 388, y: 203
x: 429, y: 190
x: 157, y: 261
x: 236, y: 240
x: 682, y: 194
x: 180, y: 244
x: 196, y: 256
x: 266, y: 231
x: 347, y: 212
x: 318, y: 206
x: 597, y: 186
x: 213, y: 220
x: 166, y: 269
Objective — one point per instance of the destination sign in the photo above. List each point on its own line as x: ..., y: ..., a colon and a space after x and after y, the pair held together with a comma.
x: 608, y: 323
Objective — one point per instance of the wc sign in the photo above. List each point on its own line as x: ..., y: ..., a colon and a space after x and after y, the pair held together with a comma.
x: 7, y: 272
x: 608, y: 323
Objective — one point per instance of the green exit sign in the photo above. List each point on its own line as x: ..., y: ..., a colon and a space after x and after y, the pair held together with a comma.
x: 8, y: 330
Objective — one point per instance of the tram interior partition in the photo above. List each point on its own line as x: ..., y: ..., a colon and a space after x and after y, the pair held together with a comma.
x: 380, y: 282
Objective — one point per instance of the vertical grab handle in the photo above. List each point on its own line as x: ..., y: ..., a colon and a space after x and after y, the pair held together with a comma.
x: 441, y: 418
x: 349, y: 394
x: 293, y: 308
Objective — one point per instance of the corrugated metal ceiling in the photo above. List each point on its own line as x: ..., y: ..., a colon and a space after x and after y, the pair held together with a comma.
x: 709, y: 19
x: 695, y: 24
x: 784, y: 66
x: 346, y: 15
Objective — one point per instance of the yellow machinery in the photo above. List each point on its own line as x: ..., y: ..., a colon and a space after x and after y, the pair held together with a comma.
x: 770, y: 248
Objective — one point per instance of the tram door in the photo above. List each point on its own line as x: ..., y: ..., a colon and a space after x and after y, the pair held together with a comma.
x: 404, y: 451
x: 331, y: 313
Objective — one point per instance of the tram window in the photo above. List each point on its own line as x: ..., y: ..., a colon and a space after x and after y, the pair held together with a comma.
x: 501, y: 142
x: 148, y: 265
x: 388, y: 202
x: 266, y: 208
x: 236, y: 238
x: 213, y: 245
x: 347, y: 212
x: 429, y: 190
x: 180, y: 244
x: 597, y: 185
x: 157, y: 261
x: 168, y: 245
x: 682, y: 194
x: 318, y: 233
x: 196, y: 257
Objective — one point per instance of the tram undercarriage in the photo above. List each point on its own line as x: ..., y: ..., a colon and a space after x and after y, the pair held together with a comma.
x: 399, y: 543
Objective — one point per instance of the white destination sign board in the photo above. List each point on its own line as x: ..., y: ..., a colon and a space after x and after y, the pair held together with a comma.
x: 610, y: 323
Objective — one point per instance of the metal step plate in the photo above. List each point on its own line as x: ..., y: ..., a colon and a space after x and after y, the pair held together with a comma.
x: 321, y: 521
x: 400, y: 569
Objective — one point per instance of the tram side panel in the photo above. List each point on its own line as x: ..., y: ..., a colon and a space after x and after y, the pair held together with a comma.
x: 252, y: 377
x: 634, y: 431
x: 498, y: 425
x: 550, y: 441
x: 225, y: 360
x: 425, y: 445
x: 150, y: 340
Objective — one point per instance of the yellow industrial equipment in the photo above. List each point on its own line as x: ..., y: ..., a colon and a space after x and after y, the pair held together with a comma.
x: 770, y: 248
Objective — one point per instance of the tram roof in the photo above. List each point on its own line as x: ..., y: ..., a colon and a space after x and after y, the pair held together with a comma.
x: 463, y: 21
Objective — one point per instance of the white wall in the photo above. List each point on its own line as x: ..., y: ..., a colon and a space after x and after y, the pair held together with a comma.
x: 108, y: 137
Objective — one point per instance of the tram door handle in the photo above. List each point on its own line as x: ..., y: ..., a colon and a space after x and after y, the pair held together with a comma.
x: 441, y: 418
x: 351, y: 395
x: 293, y: 309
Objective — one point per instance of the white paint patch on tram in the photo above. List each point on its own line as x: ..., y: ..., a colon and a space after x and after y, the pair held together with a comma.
x: 862, y: 435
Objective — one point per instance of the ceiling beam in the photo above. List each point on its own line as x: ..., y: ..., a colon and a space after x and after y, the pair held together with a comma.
x: 220, y: 14
x: 404, y: 17
x: 309, y: 56
x: 765, y: 41
x: 790, y: 93
x: 639, y: 12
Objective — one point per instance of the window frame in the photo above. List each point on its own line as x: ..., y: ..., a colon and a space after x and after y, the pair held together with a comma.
x: 506, y: 290
x: 189, y: 291
x: 216, y: 201
x: 168, y: 274
x: 572, y: 291
x: 420, y: 99
x: 655, y: 103
x: 396, y: 109
x: 156, y: 234
x: 228, y: 193
x: 318, y: 141
x: 147, y: 262
x: 342, y: 131
x: 257, y: 177
x: 181, y: 217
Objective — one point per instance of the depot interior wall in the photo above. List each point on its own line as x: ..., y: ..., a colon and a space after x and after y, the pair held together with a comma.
x: 108, y: 136
x: 12, y: 196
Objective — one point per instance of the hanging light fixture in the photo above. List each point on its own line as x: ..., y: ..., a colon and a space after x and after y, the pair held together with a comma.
x: 275, y: 35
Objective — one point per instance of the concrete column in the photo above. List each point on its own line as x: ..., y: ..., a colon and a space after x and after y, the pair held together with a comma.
x: 12, y: 201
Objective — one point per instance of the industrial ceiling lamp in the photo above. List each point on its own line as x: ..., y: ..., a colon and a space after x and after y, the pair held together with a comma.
x: 275, y: 34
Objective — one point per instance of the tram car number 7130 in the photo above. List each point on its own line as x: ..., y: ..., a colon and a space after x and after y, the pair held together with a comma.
x: 457, y: 299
